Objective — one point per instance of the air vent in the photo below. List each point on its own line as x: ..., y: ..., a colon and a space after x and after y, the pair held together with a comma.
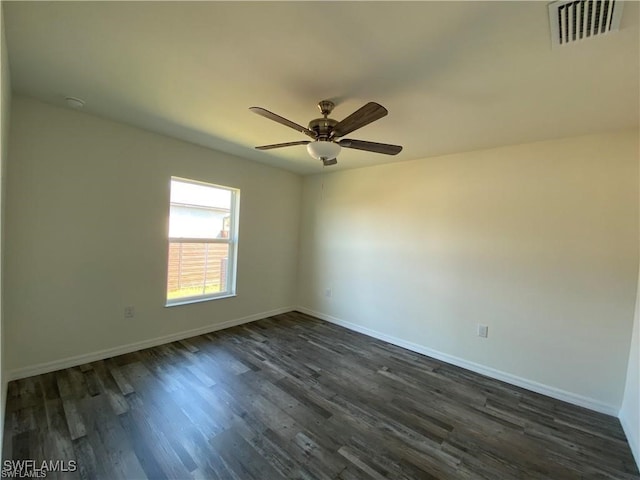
x: 576, y: 20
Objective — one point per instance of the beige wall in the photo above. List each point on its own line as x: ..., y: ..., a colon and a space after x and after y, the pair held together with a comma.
x: 5, y: 107
x: 87, y: 210
x: 537, y: 241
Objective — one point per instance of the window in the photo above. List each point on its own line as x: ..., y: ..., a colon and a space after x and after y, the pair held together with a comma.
x: 203, y: 241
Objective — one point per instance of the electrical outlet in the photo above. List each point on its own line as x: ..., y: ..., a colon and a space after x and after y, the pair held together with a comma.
x: 327, y: 292
x: 129, y: 311
x: 483, y: 331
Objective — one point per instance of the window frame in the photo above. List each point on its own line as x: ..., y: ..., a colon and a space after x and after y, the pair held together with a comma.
x: 231, y: 241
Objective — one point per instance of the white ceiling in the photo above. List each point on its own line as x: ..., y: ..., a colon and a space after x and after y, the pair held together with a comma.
x: 455, y: 76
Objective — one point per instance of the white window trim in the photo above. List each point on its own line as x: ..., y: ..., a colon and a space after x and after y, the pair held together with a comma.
x: 176, y: 302
x: 232, y: 241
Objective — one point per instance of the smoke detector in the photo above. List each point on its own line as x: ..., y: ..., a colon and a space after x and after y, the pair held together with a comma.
x: 574, y: 20
x: 74, y: 102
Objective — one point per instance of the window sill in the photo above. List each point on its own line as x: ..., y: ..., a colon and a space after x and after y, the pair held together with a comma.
x: 188, y: 301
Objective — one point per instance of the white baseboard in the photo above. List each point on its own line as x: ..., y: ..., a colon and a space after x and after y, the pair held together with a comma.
x: 133, y: 347
x: 547, y: 390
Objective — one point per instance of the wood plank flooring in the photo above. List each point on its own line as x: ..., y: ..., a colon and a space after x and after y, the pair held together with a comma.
x: 295, y: 397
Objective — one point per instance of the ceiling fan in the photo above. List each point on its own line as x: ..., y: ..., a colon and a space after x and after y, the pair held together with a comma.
x: 327, y: 132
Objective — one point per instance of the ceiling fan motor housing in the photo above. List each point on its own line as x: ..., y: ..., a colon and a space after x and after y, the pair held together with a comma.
x: 323, y: 127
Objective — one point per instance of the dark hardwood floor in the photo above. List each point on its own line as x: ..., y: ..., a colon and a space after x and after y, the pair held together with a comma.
x: 295, y: 397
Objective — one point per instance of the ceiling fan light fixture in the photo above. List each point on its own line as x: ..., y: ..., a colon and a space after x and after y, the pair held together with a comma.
x: 323, y: 149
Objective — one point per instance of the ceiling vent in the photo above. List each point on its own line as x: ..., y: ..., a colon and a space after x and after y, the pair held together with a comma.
x: 575, y: 20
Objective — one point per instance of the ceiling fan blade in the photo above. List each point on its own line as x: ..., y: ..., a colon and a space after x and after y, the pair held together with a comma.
x: 385, y: 148
x: 279, y: 145
x: 358, y: 119
x: 283, y: 121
